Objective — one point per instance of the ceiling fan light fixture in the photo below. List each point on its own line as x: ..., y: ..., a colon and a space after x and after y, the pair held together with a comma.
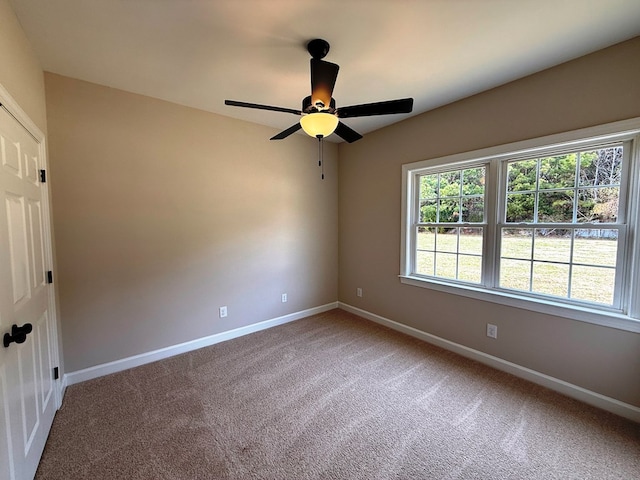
x: 319, y: 124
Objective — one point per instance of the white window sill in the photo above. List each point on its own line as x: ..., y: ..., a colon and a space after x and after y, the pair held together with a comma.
x: 619, y: 321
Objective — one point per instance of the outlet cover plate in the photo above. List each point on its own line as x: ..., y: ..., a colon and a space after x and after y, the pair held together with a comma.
x: 492, y: 330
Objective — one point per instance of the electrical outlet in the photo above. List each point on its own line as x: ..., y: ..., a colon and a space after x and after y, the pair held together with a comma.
x: 284, y: 298
x: 358, y: 292
x: 223, y: 312
x: 492, y: 330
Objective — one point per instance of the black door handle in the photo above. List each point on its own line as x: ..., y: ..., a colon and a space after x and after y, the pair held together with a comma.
x: 18, y: 334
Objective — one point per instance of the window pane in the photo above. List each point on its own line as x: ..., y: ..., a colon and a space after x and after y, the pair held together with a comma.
x: 520, y: 207
x: 428, y: 211
x: 450, y: 184
x: 551, y: 279
x: 558, y: 172
x: 555, y: 207
x: 446, y: 265
x: 471, y: 241
x: 595, y: 247
x: 425, y: 238
x: 425, y: 262
x: 522, y: 175
x: 470, y: 268
x: 473, y: 209
x: 601, y: 167
x: 515, y: 274
x: 553, y: 245
x: 593, y: 284
x: 598, y: 205
x: 473, y: 181
x: 449, y: 210
x: 428, y: 186
x: 516, y: 243
x: 447, y: 241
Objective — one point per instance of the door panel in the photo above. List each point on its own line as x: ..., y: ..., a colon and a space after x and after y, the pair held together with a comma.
x: 17, y: 234
x: 44, y: 362
x: 31, y: 164
x: 10, y: 156
x: 37, y: 252
x: 28, y: 392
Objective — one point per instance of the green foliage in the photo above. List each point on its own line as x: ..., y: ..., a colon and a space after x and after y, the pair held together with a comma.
x: 452, y: 196
x: 554, y: 179
x: 520, y: 207
x: 522, y: 176
x: 557, y: 172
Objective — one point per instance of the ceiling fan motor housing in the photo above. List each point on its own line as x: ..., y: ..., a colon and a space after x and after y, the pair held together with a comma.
x: 308, y: 107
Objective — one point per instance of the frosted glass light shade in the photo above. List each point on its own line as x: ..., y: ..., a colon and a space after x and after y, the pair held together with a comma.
x: 320, y: 123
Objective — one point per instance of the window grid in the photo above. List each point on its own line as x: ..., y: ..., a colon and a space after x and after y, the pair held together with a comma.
x: 617, y: 153
x: 570, y: 263
x: 496, y: 174
x: 438, y: 253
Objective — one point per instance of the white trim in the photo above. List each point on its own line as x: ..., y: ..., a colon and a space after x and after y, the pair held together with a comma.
x: 96, y: 371
x: 587, y: 396
x: 633, y: 217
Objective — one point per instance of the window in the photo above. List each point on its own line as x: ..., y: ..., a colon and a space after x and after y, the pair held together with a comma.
x: 451, y: 224
x: 545, y: 224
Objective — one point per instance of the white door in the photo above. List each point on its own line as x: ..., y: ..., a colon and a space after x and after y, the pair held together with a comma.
x: 27, y: 388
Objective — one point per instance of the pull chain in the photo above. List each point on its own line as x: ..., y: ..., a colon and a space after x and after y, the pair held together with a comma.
x: 321, y: 154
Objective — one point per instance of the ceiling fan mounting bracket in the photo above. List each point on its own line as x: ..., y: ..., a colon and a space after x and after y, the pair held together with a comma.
x: 318, y: 48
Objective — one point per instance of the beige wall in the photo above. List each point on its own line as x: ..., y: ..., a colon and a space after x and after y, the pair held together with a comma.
x: 164, y: 213
x: 20, y: 70
x: 599, y: 88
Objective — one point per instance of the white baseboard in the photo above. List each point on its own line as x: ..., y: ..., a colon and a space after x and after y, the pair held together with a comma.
x: 587, y: 396
x: 153, y: 356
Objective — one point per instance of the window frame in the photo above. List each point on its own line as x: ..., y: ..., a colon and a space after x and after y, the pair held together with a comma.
x: 625, y: 314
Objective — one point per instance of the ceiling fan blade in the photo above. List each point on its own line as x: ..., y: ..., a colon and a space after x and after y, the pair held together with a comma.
x: 257, y: 106
x: 287, y: 132
x: 347, y: 133
x: 323, y: 79
x: 404, y: 105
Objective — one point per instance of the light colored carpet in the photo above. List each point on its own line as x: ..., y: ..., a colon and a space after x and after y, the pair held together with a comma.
x: 331, y: 396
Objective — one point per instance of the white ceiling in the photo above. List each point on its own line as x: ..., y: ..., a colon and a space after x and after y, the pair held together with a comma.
x: 200, y: 52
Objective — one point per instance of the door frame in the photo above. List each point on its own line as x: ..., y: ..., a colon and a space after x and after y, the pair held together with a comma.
x: 23, y: 119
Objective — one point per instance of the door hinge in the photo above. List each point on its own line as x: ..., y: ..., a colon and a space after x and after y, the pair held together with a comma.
x: 56, y: 373
x: 49, y: 276
x: 43, y: 176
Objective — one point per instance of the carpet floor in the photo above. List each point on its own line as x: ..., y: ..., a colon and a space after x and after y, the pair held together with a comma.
x: 332, y: 396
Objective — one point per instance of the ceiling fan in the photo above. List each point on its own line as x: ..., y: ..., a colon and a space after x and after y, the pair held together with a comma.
x: 319, y: 115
